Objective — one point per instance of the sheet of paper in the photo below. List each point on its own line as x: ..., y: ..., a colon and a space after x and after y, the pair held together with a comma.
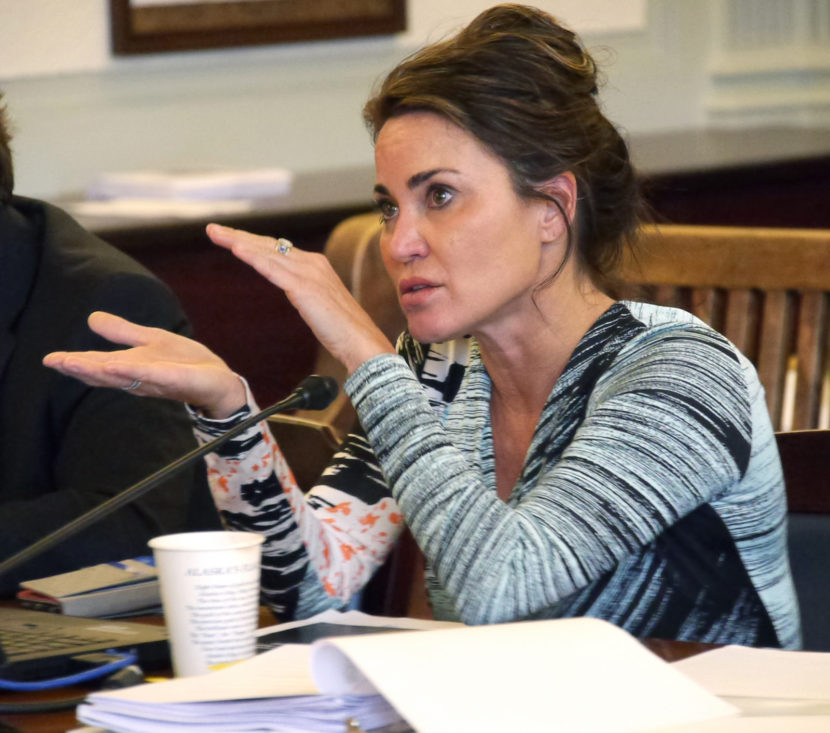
x: 358, y: 618
x: 737, y: 671
x: 280, y: 671
x: 574, y: 675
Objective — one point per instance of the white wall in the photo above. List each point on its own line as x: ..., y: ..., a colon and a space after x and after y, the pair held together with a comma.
x: 77, y: 110
x: 59, y: 36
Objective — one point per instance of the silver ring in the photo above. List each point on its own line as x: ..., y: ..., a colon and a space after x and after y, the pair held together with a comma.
x: 283, y: 246
x: 130, y: 387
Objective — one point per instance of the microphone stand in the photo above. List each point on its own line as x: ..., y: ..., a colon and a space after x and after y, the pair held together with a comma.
x: 313, y: 393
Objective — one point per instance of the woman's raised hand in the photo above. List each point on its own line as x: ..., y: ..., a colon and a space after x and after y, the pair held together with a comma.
x: 314, y: 289
x: 158, y: 364
x: 163, y: 364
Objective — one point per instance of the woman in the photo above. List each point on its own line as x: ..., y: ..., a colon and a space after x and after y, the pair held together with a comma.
x: 554, y: 452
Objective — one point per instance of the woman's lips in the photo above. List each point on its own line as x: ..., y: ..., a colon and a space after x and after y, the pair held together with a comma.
x: 415, y: 292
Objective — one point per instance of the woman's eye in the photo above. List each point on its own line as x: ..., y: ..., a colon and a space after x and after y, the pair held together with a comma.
x: 387, y: 209
x: 439, y: 196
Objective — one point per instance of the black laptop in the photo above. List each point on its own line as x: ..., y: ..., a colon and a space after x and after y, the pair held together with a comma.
x: 38, y: 645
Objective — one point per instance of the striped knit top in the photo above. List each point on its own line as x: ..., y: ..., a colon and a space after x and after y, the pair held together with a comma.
x: 651, y: 495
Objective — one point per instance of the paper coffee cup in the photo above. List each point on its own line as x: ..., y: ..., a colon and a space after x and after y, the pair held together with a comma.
x: 210, y: 595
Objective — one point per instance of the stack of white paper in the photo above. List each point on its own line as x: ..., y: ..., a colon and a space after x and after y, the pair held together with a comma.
x: 278, y: 715
x: 575, y: 675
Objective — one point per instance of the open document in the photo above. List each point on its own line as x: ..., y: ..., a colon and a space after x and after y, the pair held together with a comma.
x: 574, y: 675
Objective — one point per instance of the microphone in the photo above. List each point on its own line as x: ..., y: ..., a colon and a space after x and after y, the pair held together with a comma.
x: 313, y: 393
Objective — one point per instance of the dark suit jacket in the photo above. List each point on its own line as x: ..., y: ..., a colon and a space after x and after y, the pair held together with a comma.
x: 66, y: 447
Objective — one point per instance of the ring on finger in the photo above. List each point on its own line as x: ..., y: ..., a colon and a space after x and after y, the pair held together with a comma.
x: 283, y: 246
x: 136, y: 383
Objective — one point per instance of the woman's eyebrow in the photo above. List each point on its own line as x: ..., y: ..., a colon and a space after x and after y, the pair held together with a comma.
x: 419, y: 178
x: 416, y: 180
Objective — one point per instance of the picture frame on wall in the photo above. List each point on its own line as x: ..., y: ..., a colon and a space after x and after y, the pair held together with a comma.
x: 156, y: 26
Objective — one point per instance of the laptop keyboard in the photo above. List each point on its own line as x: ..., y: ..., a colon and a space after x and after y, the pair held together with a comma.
x: 20, y: 641
x: 37, y: 645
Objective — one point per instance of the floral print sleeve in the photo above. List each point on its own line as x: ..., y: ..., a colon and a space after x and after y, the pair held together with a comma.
x: 320, y: 548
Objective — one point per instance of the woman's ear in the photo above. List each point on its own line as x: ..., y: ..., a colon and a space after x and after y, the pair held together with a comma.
x: 563, y: 190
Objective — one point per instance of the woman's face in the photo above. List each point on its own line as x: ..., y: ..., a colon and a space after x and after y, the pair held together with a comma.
x: 463, y: 249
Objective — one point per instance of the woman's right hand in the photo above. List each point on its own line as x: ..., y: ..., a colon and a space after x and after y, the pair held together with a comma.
x: 159, y: 363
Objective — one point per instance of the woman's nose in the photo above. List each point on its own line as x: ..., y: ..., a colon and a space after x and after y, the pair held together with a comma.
x: 403, y: 240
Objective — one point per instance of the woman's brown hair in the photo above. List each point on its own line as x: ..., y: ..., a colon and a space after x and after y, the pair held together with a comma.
x: 523, y: 84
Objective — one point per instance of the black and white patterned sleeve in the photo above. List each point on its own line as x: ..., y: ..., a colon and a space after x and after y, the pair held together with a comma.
x: 320, y: 548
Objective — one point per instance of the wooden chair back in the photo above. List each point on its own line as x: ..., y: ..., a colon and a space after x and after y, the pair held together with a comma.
x: 767, y: 290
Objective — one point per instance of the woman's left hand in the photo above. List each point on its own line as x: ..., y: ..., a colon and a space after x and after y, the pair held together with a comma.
x: 314, y: 289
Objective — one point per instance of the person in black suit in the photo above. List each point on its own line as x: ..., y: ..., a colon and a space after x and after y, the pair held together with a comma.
x: 66, y: 447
